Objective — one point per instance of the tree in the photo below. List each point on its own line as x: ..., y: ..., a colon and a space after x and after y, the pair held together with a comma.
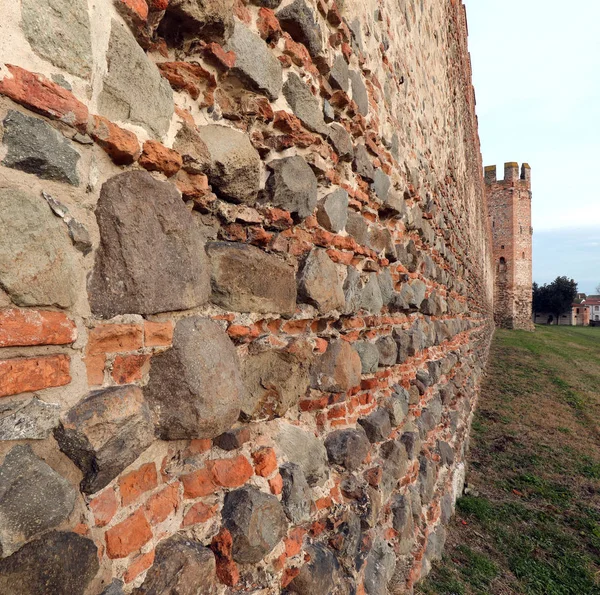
x: 555, y: 298
x: 598, y: 288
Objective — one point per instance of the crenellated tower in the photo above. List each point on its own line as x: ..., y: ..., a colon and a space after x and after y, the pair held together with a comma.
x: 509, y: 211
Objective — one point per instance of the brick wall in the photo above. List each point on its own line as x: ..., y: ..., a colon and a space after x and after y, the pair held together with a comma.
x: 246, y: 293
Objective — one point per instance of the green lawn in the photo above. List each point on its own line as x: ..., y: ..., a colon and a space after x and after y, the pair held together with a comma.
x: 531, y: 522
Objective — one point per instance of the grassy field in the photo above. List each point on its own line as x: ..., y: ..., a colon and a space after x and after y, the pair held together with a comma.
x: 531, y: 521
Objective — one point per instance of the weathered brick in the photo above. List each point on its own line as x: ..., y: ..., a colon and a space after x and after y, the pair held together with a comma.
x: 134, y: 484
x: 129, y: 368
x: 35, y: 327
x: 161, y: 505
x: 139, y: 565
x: 113, y: 338
x: 121, y: 145
x: 22, y: 375
x: 198, y: 513
x: 128, y: 536
x: 94, y: 365
x: 158, y: 334
x: 104, y: 506
x: 157, y: 157
x: 198, y: 484
x: 231, y: 473
x: 40, y: 95
x: 265, y: 461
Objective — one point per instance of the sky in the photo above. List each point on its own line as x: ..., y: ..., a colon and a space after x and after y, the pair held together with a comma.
x: 536, y: 71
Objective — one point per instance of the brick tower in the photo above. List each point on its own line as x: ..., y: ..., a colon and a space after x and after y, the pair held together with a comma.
x: 509, y: 210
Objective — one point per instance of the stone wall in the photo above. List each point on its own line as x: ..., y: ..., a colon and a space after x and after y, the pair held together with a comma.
x: 246, y: 293
x: 509, y: 208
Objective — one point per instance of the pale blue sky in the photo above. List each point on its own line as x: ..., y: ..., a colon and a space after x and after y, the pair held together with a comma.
x: 536, y: 70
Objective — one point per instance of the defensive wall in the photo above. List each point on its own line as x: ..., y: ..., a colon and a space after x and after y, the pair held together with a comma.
x: 246, y: 291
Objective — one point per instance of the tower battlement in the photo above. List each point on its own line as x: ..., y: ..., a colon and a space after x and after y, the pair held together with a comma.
x: 509, y: 212
x: 511, y: 173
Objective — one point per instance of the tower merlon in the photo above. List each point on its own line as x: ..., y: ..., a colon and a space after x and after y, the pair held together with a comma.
x: 526, y: 172
x: 490, y: 174
x: 511, y: 171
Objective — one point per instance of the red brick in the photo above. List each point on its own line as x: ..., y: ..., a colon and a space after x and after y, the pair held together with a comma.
x: 198, y: 484
x: 113, y: 338
x: 268, y: 25
x: 35, y: 327
x: 139, y: 565
x: 134, y: 484
x: 157, y: 157
x: 231, y: 473
x: 94, y: 365
x: 293, y: 542
x: 24, y: 375
x: 121, y: 145
x: 191, y: 78
x: 218, y: 57
x: 158, y: 334
x: 161, y: 505
x: 137, y: 9
x: 276, y: 484
x: 222, y: 545
x: 129, y: 368
x: 195, y: 187
x: 198, y: 513
x: 158, y: 4
x: 104, y: 507
x: 288, y: 576
x: 265, y: 461
x: 40, y: 95
x: 128, y: 536
x: 198, y: 446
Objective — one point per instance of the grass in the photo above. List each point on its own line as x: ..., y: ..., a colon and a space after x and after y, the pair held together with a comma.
x: 531, y: 522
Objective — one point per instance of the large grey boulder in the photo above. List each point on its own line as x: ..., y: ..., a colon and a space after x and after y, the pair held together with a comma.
x: 36, y: 148
x: 59, y: 563
x: 255, y: 65
x: 318, y: 575
x: 388, y: 351
x: 363, y: 165
x: 304, y: 449
x: 292, y: 185
x: 347, y: 448
x: 234, y: 164
x: 296, y: 495
x: 320, y: 284
x: 299, y: 21
x: 370, y: 296
x: 369, y: 356
x: 28, y: 420
x: 210, y: 20
x: 338, y: 369
x: 33, y: 498
x: 332, y: 212
x: 181, y: 567
x: 105, y: 433
x: 376, y: 425
x: 275, y: 380
x: 38, y: 265
x: 195, y: 388
x: 256, y: 522
x: 379, y: 569
x: 338, y: 75
x: 304, y: 104
x: 246, y: 279
x: 402, y: 522
x: 193, y: 150
x: 359, y: 92
x: 59, y: 31
x: 134, y: 91
x: 357, y: 227
x: 151, y: 256
x: 342, y: 141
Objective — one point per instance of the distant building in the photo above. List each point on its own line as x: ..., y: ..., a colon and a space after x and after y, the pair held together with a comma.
x: 578, y: 315
x: 593, y: 303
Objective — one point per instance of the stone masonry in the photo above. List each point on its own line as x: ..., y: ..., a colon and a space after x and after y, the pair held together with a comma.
x: 246, y: 293
x: 509, y: 207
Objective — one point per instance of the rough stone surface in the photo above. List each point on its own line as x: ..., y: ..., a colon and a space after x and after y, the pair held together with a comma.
x: 341, y: 141
x: 376, y: 425
x: 59, y: 31
x: 338, y: 369
x: 181, y: 566
x: 379, y: 569
x: 332, y: 212
x: 402, y: 521
x: 292, y: 185
x: 363, y: 164
x: 151, y: 256
x: 134, y: 91
x: 274, y: 380
x: 36, y: 148
x: 320, y: 284
x: 357, y: 227
x: 233, y: 164
x: 388, y: 351
x: 105, y: 433
x: 298, y: 20
x: 256, y: 521
x: 195, y: 388
x: 255, y: 65
x: 338, y: 76
x: 304, y: 104
x: 369, y: 356
x: 33, y: 237
x: 381, y: 184
x: 370, y: 296
x: 61, y: 563
x: 115, y: 588
x: 304, y: 449
x: 28, y: 420
x: 33, y: 498
x: 359, y: 92
x: 210, y: 20
x: 347, y: 448
x: 246, y: 279
x: 318, y: 575
x: 296, y: 496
